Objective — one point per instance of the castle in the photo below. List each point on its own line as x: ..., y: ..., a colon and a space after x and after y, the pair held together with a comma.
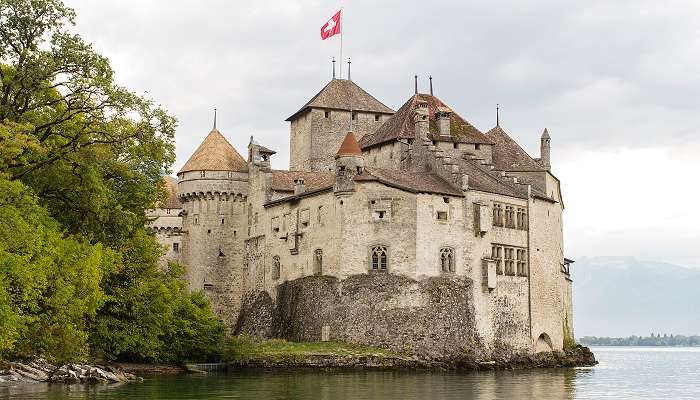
x: 467, y: 223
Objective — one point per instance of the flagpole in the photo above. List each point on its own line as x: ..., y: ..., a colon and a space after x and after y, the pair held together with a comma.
x: 342, y: 28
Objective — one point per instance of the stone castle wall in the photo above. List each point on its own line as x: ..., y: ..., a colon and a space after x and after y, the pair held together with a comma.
x: 432, y: 318
x: 316, y: 138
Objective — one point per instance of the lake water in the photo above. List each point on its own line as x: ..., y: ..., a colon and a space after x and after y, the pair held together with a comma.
x: 623, y: 373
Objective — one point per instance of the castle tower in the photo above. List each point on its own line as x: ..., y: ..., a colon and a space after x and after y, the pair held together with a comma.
x: 319, y: 127
x: 213, y: 188
x: 348, y: 164
x: 545, y: 150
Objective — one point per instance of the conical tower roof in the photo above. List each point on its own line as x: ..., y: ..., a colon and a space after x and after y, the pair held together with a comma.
x: 349, y: 147
x: 215, y: 154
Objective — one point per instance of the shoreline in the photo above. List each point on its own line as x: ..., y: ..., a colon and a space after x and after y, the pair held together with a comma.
x: 371, y: 359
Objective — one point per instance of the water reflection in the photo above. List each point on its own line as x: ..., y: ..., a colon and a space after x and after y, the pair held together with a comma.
x: 623, y: 373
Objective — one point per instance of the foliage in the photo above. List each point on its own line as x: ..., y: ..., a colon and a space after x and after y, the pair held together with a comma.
x: 81, y: 159
x: 652, y: 340
x: 49, y: 285
x: 243, y: 349
x: 150, y: 316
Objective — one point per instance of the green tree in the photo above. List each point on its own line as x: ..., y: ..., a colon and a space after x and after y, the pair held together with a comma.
x: 84, y: 158
x: 49, y: 285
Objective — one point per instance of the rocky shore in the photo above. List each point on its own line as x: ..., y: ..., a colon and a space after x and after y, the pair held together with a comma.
x: 42, y: 371
x: 578, y: 356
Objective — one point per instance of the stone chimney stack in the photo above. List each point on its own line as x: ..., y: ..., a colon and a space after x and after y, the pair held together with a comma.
x: 443, y: 120
x: 545, y: 150
x: 299, y: 187
x: 421, y: 119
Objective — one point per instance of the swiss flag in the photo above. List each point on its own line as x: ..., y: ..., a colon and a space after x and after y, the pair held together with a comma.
x: 331, y: 27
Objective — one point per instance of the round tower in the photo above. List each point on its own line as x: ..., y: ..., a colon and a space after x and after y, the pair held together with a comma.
x: 348, y: 164
x: 213, y: 188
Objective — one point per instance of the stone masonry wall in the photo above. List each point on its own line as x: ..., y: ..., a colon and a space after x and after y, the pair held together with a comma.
x: 433, y: 318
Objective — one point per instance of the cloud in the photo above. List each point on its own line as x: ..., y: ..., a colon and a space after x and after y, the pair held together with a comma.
x: 611, y: 80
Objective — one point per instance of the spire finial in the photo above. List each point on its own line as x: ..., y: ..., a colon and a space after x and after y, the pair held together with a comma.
x: 215, y: 119
x: 415, y: 84
x: 431, y: 84
x: 333, y: 67
x: 497, y: 109
x: 349, y: 69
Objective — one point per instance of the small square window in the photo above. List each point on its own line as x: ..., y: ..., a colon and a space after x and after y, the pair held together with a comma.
x: 376, y: 117
x: 477, y: 146
x: 442, y: 215
x: 379, y: 215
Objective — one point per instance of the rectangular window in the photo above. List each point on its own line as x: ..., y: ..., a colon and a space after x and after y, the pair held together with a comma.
x: 354, y: 116
x: 497, y: 255
x: 509, y: 260
x: 442, y: 215
x: 176, y: 247
x: 275, y: 224
x: 522, y: 219
x: 509, y: 217
x: 497, y: 214
x: 522, y: 262
x: 379, y: 215
x: 326, y: 114
x: 376, y: 117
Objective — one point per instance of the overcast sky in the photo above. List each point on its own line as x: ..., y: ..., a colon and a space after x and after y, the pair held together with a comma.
x: 616, y: 83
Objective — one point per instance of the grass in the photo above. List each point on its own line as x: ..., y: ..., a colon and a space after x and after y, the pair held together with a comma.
x: 246, y: 349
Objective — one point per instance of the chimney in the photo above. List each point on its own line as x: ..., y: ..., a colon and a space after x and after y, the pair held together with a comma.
x: 421, y: 119
x: 299, y: 187
x: 443, y: 120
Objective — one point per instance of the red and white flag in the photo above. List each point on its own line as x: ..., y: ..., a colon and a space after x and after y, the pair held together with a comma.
x: 331, y: 27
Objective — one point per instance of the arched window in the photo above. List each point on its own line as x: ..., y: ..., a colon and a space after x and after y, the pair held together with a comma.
x: 276, y: 268
x: 318, y: 262
x: 447, y: 259
x: 378, y: 258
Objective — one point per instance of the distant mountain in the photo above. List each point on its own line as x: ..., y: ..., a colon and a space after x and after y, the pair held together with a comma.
x: 622, y: 296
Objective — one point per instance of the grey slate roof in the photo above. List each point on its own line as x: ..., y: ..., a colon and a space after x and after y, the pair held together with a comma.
x: 341, y: 94
x: 402, y: 126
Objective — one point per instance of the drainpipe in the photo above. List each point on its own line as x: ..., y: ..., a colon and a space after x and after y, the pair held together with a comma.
x: 529, y: 264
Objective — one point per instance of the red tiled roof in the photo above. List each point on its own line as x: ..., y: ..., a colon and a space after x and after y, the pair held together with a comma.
x: 349, y: 147
x: 508, y: 155
x: 283, y: 181
x: 412, y: 181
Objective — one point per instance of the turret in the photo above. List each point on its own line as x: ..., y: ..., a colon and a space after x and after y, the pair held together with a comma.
x: 213, y: 187
x: 348, y: 164
x: 545, y: 150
